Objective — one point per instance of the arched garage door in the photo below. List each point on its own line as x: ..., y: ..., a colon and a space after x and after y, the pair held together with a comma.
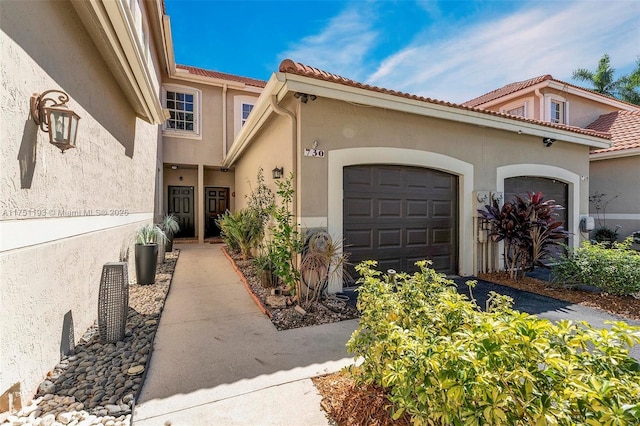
x: 551, y: 189
x: 398, y: 215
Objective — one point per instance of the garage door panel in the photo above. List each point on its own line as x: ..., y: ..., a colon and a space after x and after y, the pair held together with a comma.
x: 414, y: 216
x: 443, y: 208
x: 389, y: 238
x: 418, y: 209
x: 441, y: 236
x: 417, y: 237
x: 358, y: 208
x: 390, y: 208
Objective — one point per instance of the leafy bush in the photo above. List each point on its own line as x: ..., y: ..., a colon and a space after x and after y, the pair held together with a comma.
x: 445, y: 362
x: 286, y: 240
x: 615, y: 270
x: 528, y: 227
x: 241, y: 230
x: 605, y: 235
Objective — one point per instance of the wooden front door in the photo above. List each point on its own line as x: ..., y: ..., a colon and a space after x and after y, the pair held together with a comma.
x: 216, y: 201
x: 181, y: 206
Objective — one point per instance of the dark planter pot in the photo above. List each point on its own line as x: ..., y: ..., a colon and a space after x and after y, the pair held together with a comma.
x: 168, y: 246
x: 146, y: 262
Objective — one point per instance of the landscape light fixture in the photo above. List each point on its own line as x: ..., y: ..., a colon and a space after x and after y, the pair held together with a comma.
x: 55, y: 117
x: 548, y: 142
x: 277, y: 172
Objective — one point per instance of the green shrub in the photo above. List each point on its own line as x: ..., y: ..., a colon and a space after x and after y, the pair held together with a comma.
x: 241, y: 230
x: 445, y: 362
x: 615, y: 270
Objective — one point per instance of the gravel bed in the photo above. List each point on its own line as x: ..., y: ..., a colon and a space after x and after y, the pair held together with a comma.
x: 330, y: 309
x: 98, y: 383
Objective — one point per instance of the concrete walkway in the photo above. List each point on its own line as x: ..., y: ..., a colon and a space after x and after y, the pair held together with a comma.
x: 217, y: 360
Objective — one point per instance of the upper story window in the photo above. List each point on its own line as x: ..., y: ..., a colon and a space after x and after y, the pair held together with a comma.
x: 519, y: 108
x: 242, y: 107
x: 557, y: 109
x: 246, y: 109
x: 183, y: 104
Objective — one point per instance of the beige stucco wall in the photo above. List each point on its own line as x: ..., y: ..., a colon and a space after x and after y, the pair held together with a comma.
x: 272, y: 148
x: 63, y: 215
x: 619, y: 178
x: 208, y: 148
x: 351, y: 134
x: 582, y: 111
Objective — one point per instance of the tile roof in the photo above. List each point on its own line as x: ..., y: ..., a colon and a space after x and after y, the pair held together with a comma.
x: 223, y: 76
x: 506, y: 90
x: 624, y: 127
x: 519, y: 85
x: 289, y: 66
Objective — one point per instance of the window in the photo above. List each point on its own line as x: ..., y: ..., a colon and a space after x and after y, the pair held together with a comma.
x: 242, y: 107
x: 557, y: 109
x: 183, y: 104
x: 519, y: 108
x: 246, y: 109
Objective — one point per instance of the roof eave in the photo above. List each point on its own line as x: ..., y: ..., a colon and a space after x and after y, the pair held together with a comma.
x: 420, y: 107
x: 621, y: 153
x: 185, y: 75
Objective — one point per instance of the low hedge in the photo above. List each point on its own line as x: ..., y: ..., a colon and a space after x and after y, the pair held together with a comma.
x: 445, y: 362
x: 614, y: 269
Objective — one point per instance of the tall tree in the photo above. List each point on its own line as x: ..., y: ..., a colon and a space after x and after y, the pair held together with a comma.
x: 603, y: 81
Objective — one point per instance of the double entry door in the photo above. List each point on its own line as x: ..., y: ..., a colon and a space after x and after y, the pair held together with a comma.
x: 181, y: 205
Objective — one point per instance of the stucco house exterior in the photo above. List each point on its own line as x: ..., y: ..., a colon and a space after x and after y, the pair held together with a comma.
x: 64, y: 215
x: 207, y: 109
x: 614, y: 171
x: 399, y: 176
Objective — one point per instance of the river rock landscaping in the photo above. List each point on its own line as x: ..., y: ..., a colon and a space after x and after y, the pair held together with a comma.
x: 283, y: 315
x: 98, y: 383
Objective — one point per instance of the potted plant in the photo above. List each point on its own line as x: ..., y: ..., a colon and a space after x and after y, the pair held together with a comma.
x: 146, y: 252
x: 170, y: 227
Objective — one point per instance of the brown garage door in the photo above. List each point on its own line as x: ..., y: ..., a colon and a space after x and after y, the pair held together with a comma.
x: 398, y: 215
x: 551, y: 189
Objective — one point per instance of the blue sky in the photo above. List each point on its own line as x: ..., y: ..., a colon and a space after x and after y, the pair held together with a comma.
x: 448, y: 50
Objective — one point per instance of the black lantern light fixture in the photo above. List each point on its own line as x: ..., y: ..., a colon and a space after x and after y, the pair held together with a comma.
x: 55, y: 117
x: 277, y: 172
x: 548, y: 141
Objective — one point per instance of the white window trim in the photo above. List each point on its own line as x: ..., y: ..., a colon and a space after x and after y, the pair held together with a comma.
x: 197, y: 112
x: 517, y: 104
x: 547, y: 107
x: 238, y: 101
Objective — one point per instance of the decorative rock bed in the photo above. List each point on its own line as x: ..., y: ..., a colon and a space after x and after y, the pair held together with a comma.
x: 99, y: 383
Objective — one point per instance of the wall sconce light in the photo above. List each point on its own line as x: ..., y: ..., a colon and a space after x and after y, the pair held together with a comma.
x: 56, y: 118
x: 277, y: 172
x: 304, y: 97
x: 548, y: 142
x: 174, y: 167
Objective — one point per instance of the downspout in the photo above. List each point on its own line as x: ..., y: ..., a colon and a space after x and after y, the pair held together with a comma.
x: 294, y: 144
x: 224, y: 121
x: 541, y: 99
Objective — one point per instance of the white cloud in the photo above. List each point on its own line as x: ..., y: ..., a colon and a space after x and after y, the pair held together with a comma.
x: 341, y: 48
x: 548, y: 38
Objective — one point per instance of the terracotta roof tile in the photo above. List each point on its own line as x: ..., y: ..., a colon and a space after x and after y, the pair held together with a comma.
x: 506, y: 90
x: 289, y: 66
x: 519, y: 85
x: 224, y: 76
x: 624, y: 127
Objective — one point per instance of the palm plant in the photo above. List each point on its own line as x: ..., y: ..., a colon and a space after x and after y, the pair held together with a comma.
x: 241, y: 231
x: 603, y: 81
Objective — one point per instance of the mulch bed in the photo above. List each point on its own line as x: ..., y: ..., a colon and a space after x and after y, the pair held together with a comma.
x: 350, y: 404
x: 328, y: 310
x: 624, y: 306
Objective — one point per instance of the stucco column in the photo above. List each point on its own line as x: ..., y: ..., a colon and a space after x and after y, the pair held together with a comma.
x: 200, y: 203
